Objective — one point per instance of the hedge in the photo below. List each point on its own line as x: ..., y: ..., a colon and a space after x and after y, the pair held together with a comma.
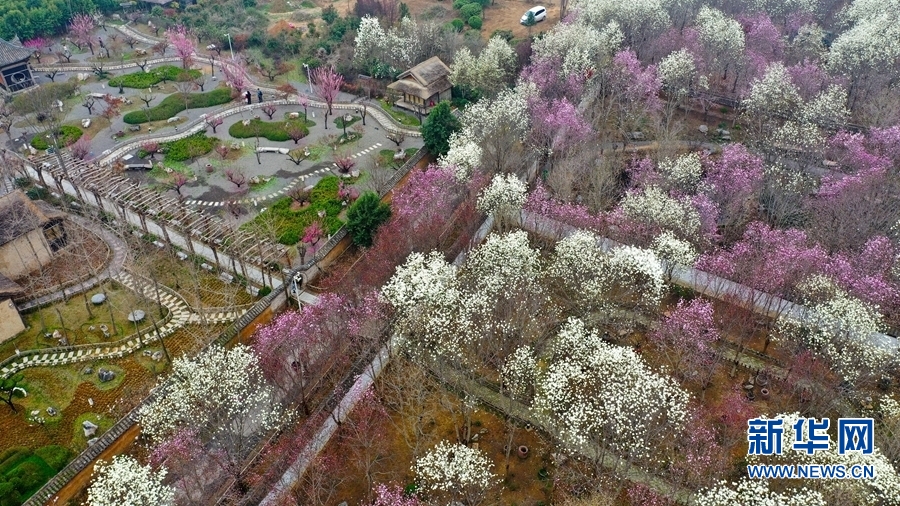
x: 275, y: 131
x: 292, y: 224
x: 23, y: 472
x: 141, y: 80
x: 67, y: 135
x: 192, y: 146
x: 173, y: 104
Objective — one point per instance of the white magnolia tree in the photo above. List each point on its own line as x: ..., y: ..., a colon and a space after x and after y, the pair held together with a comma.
x: 682, y: 172
x: 489, y: 72
x: 464, y: 156
x: 722, y: 39
x: 639, y: 19
x: 451, y: 473
x: 125, y: 482
x: 750, y: 492
x: 222, y: 394
x: 654, y: 206
x: 504, y: 197
x: 579, y: 46
x: 592, y: 392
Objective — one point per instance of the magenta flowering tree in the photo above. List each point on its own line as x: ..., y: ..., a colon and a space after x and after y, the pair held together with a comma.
x: 235, y: 74
x: 299, y: 346
x: 81, y: 27
x: 327, y: 84
x: 686, y: 337
x: 541, y: 202
x: 393, y: 495
x: 634, y: 90
x: 764, y: 42
x: 181, y: 40
x: 734, y: 181
x: 428, y: 194
x: 809, y: 78
x: 81, y: 148
x: 556, y: 126
x: 703, y: 460
x: 544, y: 73
x: 767, y: 259
x: 185, y: 455
x: 867, y: 274
x: 364, y: 438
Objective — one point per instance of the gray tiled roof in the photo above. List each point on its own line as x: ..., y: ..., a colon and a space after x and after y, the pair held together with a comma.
x: 12, y: 53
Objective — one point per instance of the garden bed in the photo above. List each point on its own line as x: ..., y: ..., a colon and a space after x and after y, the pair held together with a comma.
x: 173, y: 104
x: 144, y: 80
x: 275, y: 131
x: 290, y: 224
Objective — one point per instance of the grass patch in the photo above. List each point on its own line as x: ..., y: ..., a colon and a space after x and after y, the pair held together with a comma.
x: 104, y: 424
x: 340, y: 123
x: 290, y: 224
x: 275, y: 131
x: 386, y: 156
x: 188, y: 148
x: 173, y: 104
x: 67, y: 135
x: 399, y: 117
x: 142, y: 80
x: 22, y: 473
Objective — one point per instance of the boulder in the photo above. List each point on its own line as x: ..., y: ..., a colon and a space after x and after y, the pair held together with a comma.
x: 89, y: 428
x: 92, y: 441
x: 173, y: 119
x: 51, y: 411
x: 86, y: 123
x: 105, y: 375
x: 294, y: 115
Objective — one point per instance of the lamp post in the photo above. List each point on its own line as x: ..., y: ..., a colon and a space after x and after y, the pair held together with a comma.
x: 229, y: 46
x: 308, y: 77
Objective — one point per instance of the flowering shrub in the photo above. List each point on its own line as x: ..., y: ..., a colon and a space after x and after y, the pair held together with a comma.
x: 503, y: 262
x: 655, y: 207
x: 750, y: 491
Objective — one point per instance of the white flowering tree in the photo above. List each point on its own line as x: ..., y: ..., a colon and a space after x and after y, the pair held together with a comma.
x: 498, y: 126
x: 464, y: 156
x: 678, y: 72
x: 579, y: 46
x: 593, y: 393
x: 125, y: 482
x: 222, y: 394
x: 682, y: 172
x: 722, y: 39
x: 427, y: 299
x: 674, y: 251
x: 581, y: 271
x: 750, y: 492
x: 640, y: 20
x: 454, y: 473
x: 503, y: 198
x: 489, y: 72
x: 838, y: 326
x: 771, y: 97
x: 655, y: 207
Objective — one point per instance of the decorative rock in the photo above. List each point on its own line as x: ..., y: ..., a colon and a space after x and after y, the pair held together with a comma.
x: 51, y: 411
x: 87, y: 370
x: 89, y: 428
x: 57, y: 334
x: 82, y: 76
x: 157, y: 356
x: 35, y: 412
x: 92, y: 441
x: 703, y: 129
x: 86, y: 123
x: 136, y: 315
x: 91, y: 401
x: 105, y: 375
x: 134, y: 128
x: 146, y: 353
x: 173, y: 119
x: 96, y: 300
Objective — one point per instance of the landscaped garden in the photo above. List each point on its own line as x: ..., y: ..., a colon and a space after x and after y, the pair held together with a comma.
x: 276, y: 131
x: 173, y: 104
x: 144, y: 80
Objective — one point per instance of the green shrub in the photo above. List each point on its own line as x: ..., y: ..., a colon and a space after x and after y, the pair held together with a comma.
x: 458, y: 24
x: 266, y: 290
x: 173, y: 104
x: 192, y: 146
x: 506, y: 35
x: 67, y: 135
x: 275, y: 131
x: 37, y: 193
x: 55, y: 456
x: 12, y: 457
x: 469, y: 10
x: 30, y: 475
x: 364, y: 217
x: 459, y: 4
x: 475, y: 22
x: 141, y: 80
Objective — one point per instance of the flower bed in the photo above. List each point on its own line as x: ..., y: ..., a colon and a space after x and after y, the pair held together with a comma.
x: 173, y: 104
x: 292, y: 223
x: 141, y: 80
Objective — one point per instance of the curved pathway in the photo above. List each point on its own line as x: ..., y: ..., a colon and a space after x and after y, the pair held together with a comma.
x: 117, y: 264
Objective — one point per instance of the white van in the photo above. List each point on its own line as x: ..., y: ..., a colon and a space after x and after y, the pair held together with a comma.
x: 540, y: 14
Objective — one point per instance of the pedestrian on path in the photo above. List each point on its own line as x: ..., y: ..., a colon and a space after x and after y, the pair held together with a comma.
x: 259, y: 95
x: 249, y: 97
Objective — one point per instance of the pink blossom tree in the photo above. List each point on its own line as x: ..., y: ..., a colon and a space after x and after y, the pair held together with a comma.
x: 634, y: 91
x: 81, y: 27
x: 363, y: 436
x: 81, y: 148
x: 687, y: 336
x: 235, y: 74
x: 327, y: 83
x: 183, y: 454
x: 734, y: 180
x: 393, y: 495
x: 556, y: 126
x: 181, y: 40
x: 214, y: 122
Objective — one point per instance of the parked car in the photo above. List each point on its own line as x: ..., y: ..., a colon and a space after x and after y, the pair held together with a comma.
x: 540, y: 14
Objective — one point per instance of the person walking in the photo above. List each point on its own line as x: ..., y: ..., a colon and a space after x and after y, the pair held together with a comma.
x: 259, y: 95
x: 249, y: 97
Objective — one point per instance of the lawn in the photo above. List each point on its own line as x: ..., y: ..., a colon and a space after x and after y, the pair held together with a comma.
x: 289, y: 222
x: 275, y: 131
x: 175, y: 103
x: 386, y: 157
x: 400, y: 117
x: 144, y: 80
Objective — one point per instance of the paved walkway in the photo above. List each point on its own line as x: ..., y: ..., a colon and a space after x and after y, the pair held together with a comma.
x: 116, y: 265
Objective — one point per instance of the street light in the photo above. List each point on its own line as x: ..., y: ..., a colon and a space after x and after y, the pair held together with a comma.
x: 229, y: 46
x: 308, y: 77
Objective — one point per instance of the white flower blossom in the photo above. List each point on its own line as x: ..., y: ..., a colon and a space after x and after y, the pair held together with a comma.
x: 640, y: 269
x: 455, y: 472
x: 828, y: 108
x: 579, y: 46
x: 489, y: 72
x: 503, y: 262
x: 594, y: 392
x: 750, y: 492
x: 463, y: 156
x: 653, y: 205
x: 505, y: 196
x: 519, y: 371
x: 674, y: 250
x: 677, y: 71
x: 125, y: 482
x: 682, y: 172
x: 220, y: 390
x: 582, y: 268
